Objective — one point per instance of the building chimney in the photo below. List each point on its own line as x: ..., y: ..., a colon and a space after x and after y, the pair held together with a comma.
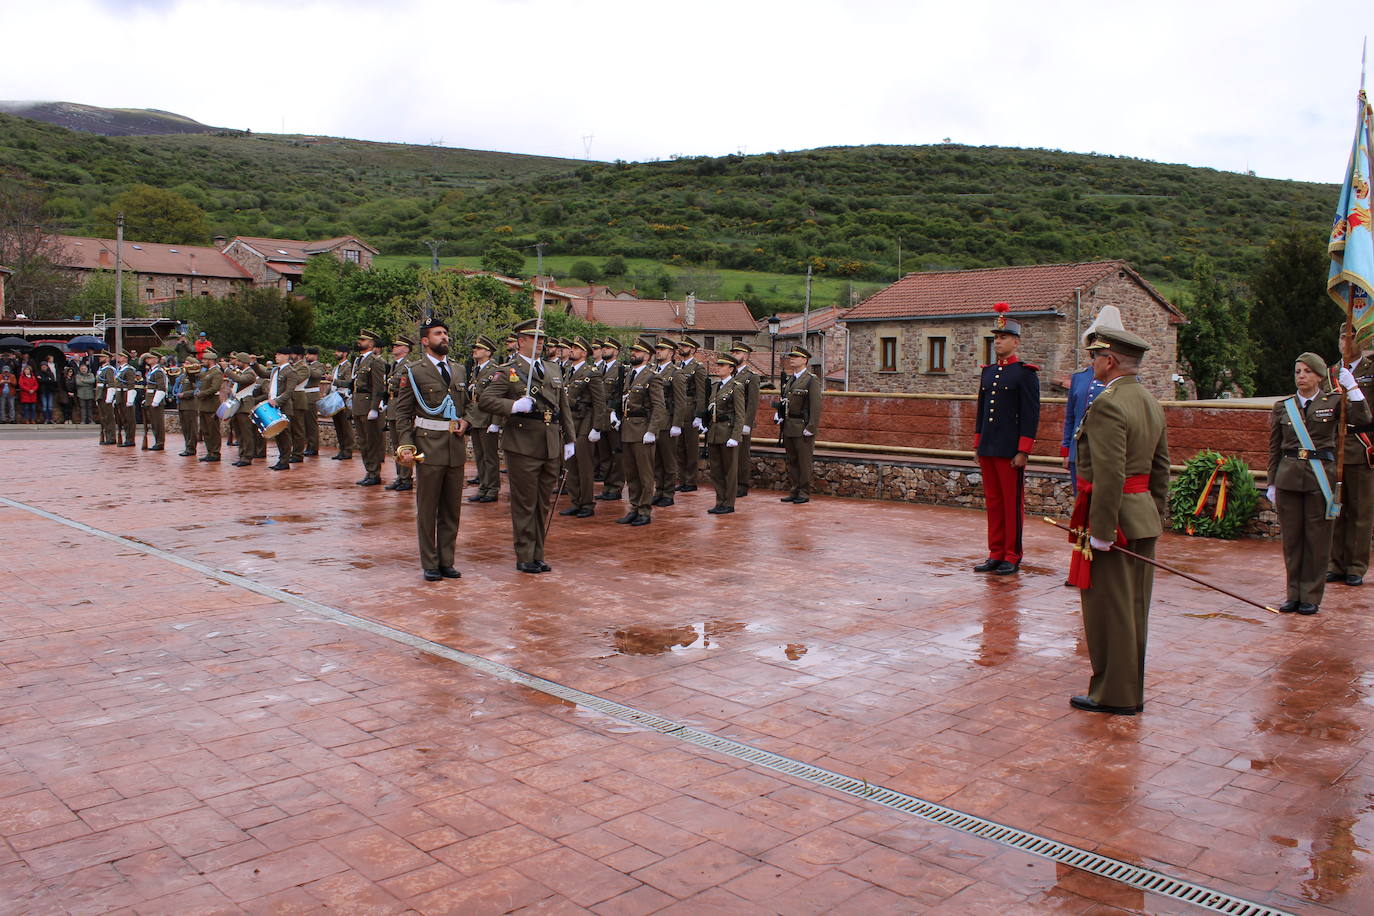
x: 220, y: 242
x: 689, y: 318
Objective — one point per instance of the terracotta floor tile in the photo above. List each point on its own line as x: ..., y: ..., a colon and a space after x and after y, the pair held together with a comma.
x: 377, y: 853
x: 275, y: 872
x: 498, y: 890
x: 581, y: 879
x: 687, y: 873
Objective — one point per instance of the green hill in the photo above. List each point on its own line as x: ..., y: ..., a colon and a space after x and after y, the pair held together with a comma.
x: 844, y: 210
x: 108, y: 122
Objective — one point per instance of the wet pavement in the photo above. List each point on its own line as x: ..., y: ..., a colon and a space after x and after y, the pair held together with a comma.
x: 170, y: 743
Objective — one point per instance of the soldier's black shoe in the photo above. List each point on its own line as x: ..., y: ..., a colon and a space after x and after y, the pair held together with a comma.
x: 472, y: 480
x: 798, y: 500
x: 432, y: 575
x: 1087, y: 705
x: 448, y: 572
x: 988, y: 565
x: 1335, y: 577
x: 598, y: 477
x: 1307, y: 610
x: 156, y: 448
x: 641, y: 520
x: 241, y: 464
x: 296, y: 459
x: 544, y: 567
x: 788, y: 499
x: 262, y: 455
x: 476, y: 498
x: 394, y: 485
x: 584, y: 512
x: 369, y: 481
x: 489, y: 498
x: 627, y: 519
x: 609, y: 495
x: 183, y: 454
x: 529, y: 567
x: 401, y: 486
x: 663, y: 501
x: 721, y: 510
x: 281, y: 466
x: 338, y: 457
x: 1006, y: 569
x: 311, y: 453
x: 571, y: 510
x: 126, y: 445
x: 1353, y: 579
x: 1288, y: 606
x: 741, y: 493
x: 211, y: 458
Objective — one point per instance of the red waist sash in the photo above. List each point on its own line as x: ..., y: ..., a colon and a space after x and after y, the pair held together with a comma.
x: 1081, y: 560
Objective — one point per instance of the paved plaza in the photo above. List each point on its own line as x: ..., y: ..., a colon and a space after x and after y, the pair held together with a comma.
x: 195, y: 717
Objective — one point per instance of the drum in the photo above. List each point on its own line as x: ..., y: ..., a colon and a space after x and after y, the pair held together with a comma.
x: 330, y: 404
x: 227, y: 409
x: 269, y: 420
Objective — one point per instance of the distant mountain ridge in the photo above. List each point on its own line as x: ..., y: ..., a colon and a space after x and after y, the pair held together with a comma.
x: 108, y: 122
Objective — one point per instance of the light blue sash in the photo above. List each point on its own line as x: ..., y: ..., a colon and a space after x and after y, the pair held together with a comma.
x: 446, y: 409
x: 1333, y: 508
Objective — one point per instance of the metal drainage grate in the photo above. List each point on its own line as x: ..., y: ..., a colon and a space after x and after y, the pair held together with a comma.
x: 1144, y: 879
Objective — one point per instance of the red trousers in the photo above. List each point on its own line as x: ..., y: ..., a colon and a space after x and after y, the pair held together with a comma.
x: 1004, y: 490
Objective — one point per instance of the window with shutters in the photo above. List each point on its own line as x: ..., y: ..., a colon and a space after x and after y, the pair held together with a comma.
x: 887, y: 358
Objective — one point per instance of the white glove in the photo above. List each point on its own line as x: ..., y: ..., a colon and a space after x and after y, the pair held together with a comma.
x: 731, y: 443
x: 110, y: 396
x: 807, y: 432
x: 522, y: 405
x: 371, y: 414
x: 157, y: 397
x: 746, y: 430
x: 1100, y: 545
x: 129, y: 397
x: 594, y: 436
x: 615, y: 420
x: 650, y: 438
x: 493, y: 429
x: 1352, y: 390
x: 1273, y: 494
x: 675, y: 431
x: 569, y: 449
x: 697, y: 424
x: 777, y: 418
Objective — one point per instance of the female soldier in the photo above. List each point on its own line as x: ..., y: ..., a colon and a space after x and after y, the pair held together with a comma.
x: 1302, y: 439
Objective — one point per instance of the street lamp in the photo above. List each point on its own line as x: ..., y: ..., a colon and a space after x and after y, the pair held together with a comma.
x: 773, y: 324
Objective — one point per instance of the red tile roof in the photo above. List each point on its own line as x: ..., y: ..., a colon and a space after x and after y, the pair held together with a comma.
x: 1038, y: 288
x: 667, y: 315
x: 818, y: 320
x: 147, y: 258
x: 295, y: 249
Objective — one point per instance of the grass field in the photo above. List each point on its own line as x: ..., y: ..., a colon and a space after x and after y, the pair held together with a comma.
x: 787, y: 292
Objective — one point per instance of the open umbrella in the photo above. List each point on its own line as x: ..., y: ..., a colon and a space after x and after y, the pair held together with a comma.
x: 86, y: 342
x: 14, y: 343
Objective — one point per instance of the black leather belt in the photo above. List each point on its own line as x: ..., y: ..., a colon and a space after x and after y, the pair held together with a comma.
x: 1322, y: 454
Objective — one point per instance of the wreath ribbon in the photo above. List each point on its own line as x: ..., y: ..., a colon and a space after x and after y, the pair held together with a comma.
x: 1220, y: 511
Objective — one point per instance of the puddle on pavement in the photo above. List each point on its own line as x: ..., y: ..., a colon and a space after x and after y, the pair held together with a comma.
x: 262, y: 554
x: 274, y: 519
x: 361, y: 564
x: 657, y: 640
x: 1215, y: 614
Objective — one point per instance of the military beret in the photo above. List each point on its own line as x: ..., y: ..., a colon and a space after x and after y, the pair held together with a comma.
x: 1117, y: 340
x: 342, y: 348
x: 312, y: 351
x: 432, y: 323
x: 284, y: 349
x: 1313, y: 362
x: 191, y: 364
x: 209, y: 356
x: 741, y: 347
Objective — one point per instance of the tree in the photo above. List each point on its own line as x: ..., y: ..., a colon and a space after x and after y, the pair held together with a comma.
x: 156, y: 215
x: 254, y: 320
x: 97, y: 295
x: 346, y: 299
x: 615, y: 266
x: 1292, y: 313
x: 504, y: 260
x: 585, y: 271
x: 40, y: 286
x: 1214, y: 346
x: 470, y: 305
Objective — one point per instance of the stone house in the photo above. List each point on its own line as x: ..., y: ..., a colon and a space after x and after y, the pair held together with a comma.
x: 931, y: 332
x: 716, y: 325
x: 5, y: 273
x: 162, y: 272
x: 279, y: 263
x: 825, y: 336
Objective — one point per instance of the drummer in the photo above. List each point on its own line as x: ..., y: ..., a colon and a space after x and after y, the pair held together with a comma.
x: 281, y: 385
x: 245, y: 382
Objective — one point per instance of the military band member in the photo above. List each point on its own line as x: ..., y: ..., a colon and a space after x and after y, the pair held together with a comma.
x: 725, y: 416
x: 697, y: 379
x: 105, y: 394
x: 299, y: 400
x: 484, y: 431
x: 369, y: 387
x: 314, y: 375
x: 1123, y: 472
x: 609, y: 448
x: 512, y: 344
x: 126, y: 386
x: 244, y: 381
x: 1302, y: 468
x: 341, y: 380
x: 280, y: 388
x: 264, y: 372
x: 642, y: 410
x: 676, y: 416
x: 208, y: 384
x: 401, y: 349
x: 587, y: 404
x: 1351, y: 539
x: 536, y: 435
x: 155, y: 388
x: 187, y: 411
x: 1005, y: 427
x: 427, y: 417
x: 800, y: 417
x: 751, y: 381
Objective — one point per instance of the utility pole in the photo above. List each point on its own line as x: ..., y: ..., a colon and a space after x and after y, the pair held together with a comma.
x: 119, y: 282
x: 806, y: 312
x: 899, y: 259
x: 434, y: 247
x: 539, y: 259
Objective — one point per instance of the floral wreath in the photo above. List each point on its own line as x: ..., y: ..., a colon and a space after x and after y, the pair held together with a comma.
x: 1236, y: 497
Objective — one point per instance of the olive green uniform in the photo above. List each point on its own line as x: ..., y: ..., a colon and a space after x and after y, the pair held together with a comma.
x: 300, y: 406
x: 726, y: 416
x: 677, y: 412
x: 280, y: 388
x: 1350, y: 541
x: 486, y: 446
x: 188, y: 413
x: 587, y: 403
x: 341, y: 380
x: 155, y: 388
x: 608, y: 450
x: 533, y: 445
x: 126, y: 385
x: 750, y: 379
x: 207, y: 388
x: 1301, y: 507
x: 642, y: 410
x: 314, y: 375
x: 395, y: 377
x: 104, y: 385
x: 1122, y: 435
x: 369, y: 385
x: 425, y: 425
x: 801, y: 418
x: 697, y: 383
x: 245, y: 382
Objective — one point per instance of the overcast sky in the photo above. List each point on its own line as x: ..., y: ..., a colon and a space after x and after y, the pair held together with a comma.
x: 1267, y: 85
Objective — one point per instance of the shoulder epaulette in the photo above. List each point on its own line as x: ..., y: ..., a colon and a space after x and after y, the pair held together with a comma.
x: 1031, y: 366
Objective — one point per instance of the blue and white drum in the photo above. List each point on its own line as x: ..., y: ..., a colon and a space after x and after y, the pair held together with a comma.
x: 227, y: 409
x: 269, y: 420
x: 330, y: 404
